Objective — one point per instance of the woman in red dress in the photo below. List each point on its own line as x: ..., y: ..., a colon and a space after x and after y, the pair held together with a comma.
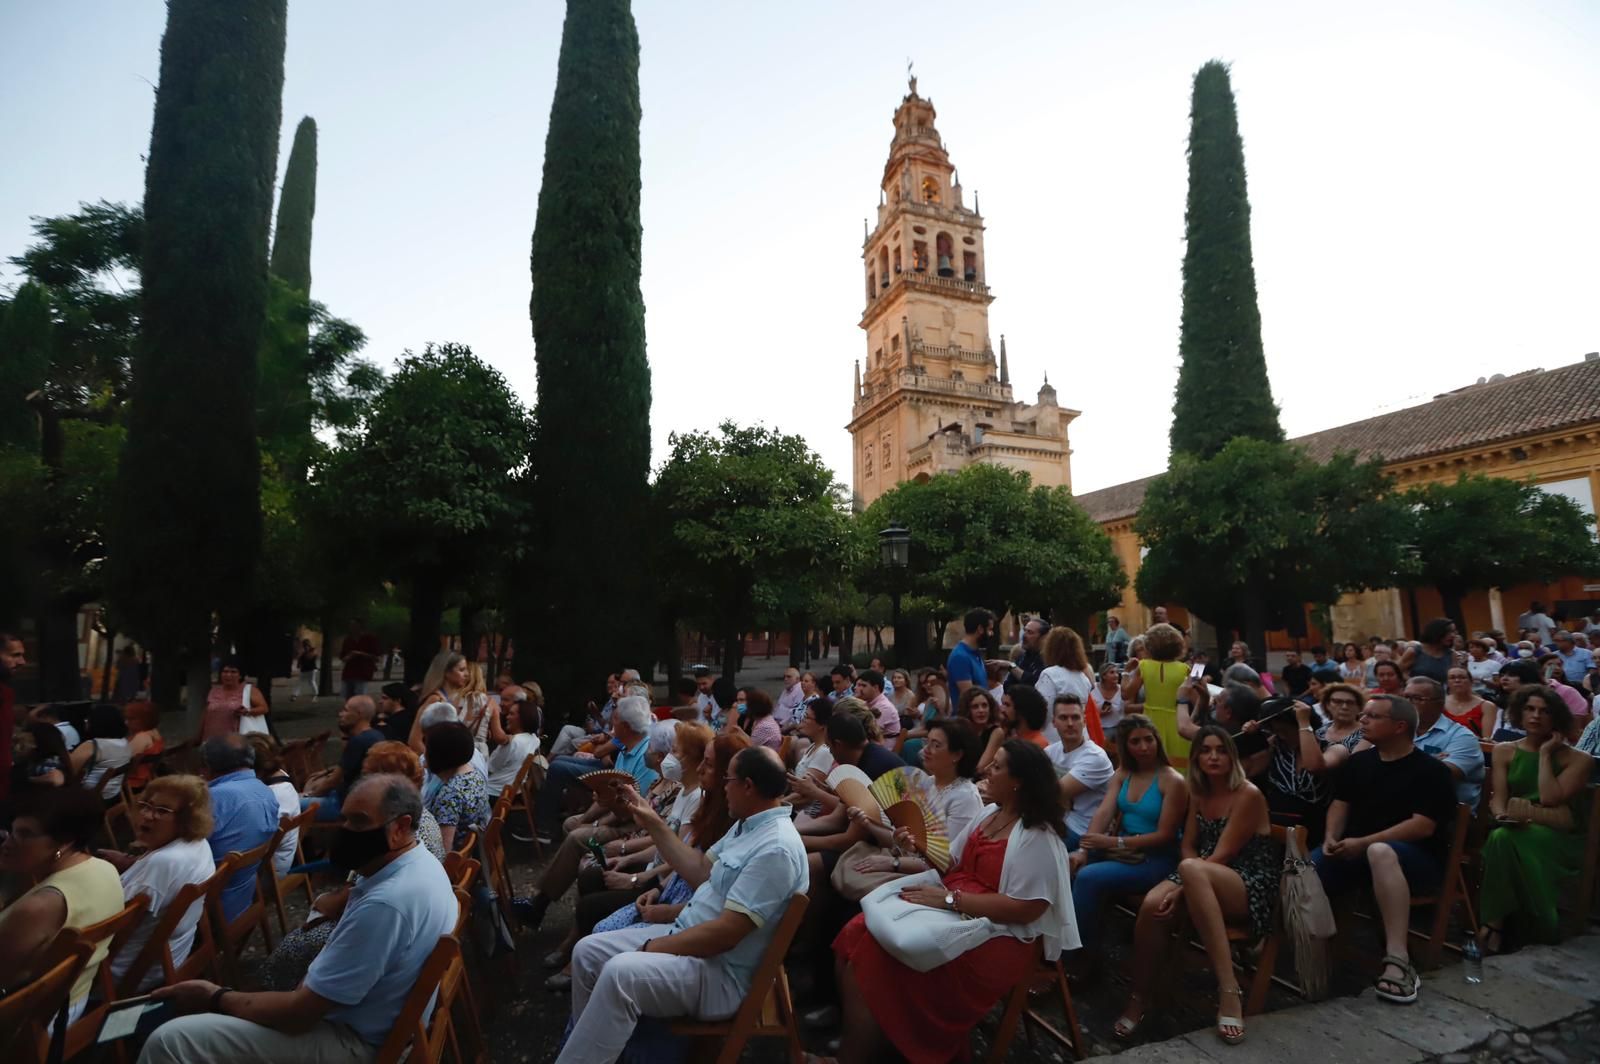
x: 1010, y: 871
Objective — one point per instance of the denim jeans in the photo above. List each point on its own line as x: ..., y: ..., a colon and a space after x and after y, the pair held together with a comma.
x: 562, y: 773
x: 1105, y: 880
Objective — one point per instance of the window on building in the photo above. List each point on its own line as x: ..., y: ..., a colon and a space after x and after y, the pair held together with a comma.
x: 897, y: 260
x: 919, y: 256
x: 930, y: 190
x: 969, y: 266
x: 946, y: 248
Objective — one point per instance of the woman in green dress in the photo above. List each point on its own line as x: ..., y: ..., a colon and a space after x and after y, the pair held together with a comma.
x: 1538, y: 799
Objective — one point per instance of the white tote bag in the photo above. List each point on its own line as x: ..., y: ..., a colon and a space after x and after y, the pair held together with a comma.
x: 249, y: 723
x: 920, y: 936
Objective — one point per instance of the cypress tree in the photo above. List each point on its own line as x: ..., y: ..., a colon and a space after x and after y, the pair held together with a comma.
x: 1223, y: 390
x: 591, y: 453
x: 186, y: 520
x: 286, y: 388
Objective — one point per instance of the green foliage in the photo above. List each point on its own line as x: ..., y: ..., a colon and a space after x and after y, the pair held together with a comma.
x: 984, y: 536
x: 1481, y: 532
x: 297, y: 206
x: 754, y: 526
x: 1246, y: 537
x: 1223, y: 390
x: 310, y: 378
x: 591, y: 458
x: 285, y: 405
x: 423, y: 492
x: 187, y: 524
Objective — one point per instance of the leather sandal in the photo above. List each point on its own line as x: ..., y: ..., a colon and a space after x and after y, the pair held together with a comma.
x: 1230, y: 1021
x: 1406, y: 987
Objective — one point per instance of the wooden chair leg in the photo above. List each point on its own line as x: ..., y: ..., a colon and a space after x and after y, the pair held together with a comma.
x: 1443, y: 908
x: 1070, y: 1011
x: 283, y: 919
x: 1261, y: 981
x: 1007, y: 1030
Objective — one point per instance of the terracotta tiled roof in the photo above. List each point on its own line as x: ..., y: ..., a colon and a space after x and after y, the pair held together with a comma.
x: 1475, y: 416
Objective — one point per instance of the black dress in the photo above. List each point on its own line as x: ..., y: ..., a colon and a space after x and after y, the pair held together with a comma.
x: 1259, y: 864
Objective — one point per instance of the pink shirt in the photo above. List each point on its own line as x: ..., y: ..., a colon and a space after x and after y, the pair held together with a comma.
x: 765, y: 732
x: 888, y: 715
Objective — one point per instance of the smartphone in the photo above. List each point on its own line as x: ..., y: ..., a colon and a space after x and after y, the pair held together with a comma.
x: 1197, y: 671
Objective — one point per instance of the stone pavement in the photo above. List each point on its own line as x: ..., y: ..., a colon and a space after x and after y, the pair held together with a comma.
x: 1552, y: 987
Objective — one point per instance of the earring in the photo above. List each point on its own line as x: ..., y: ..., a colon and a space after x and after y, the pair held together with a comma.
x: 57, y: 856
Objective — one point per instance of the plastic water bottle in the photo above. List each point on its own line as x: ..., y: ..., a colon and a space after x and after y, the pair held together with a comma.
x: 1472, y: 960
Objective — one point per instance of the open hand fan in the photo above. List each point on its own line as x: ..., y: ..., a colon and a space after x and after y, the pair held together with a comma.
x: 604, y: 782
x: 908, y: 815
x: 904, y: 786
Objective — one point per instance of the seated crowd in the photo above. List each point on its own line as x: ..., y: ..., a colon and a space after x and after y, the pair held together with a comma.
x: 947, y: 832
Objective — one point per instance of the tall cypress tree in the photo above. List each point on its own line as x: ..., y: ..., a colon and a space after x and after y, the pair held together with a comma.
x: 591, y: 453
x: 186, y: 521
x: 286, y: 388
x: 1223, y: 390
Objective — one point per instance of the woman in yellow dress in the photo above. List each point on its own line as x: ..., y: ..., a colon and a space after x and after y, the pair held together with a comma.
x: 1158, y: 677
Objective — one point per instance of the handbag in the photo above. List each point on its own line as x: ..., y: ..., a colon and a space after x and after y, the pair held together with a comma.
x: 856, y: 885
x: 920, y: 936
x: 249, y: 723
x: 1307, y: 917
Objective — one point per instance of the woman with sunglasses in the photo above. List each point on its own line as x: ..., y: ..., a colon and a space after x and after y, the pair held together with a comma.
x: 171, y: 824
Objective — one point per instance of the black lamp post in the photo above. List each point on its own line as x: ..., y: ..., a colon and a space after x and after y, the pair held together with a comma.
x: 894, y: 552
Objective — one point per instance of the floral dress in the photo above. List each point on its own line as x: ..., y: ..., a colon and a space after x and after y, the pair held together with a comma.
x: 1259, y: 864
x: 462, y: 801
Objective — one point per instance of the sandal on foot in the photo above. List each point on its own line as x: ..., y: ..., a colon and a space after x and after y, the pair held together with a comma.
x: 1402, y: 991
x: 1125, y: 1027
x: 1230, y: 1021
x: 1490, y: 940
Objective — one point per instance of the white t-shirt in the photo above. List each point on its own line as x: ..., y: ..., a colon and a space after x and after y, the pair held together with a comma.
x: 683, y: 809
x: 1110, y: 710
x: 161, y: 874
x: 1483, y: 672
x: 109, y: 755
x: 959, y: 805
x: 1090, y: 766
x: 1057, y: 680
x: 288, y: 805
x: 506, y: 760
x: 819, y: 757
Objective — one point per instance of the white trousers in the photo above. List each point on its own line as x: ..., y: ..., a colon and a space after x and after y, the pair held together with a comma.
x: 567, y: 740
x: 613, y: 984
x: 191, y: 1039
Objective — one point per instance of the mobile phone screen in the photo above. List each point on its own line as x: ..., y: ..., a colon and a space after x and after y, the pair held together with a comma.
x: 1196, y: 672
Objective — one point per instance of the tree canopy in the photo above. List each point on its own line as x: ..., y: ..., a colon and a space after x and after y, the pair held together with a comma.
x: 1480, y: 532
x: 425, y: 488
x: 1223, y: 389
x: 985, y: 536
x: 1247, y: 537
x: 753, y: 526
x: 590, y: 461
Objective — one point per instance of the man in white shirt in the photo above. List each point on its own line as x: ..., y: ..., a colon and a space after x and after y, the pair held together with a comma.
x: 701, y: 964
x: 1538, y: 621
x: 784, y: 710
x: 710, y: 712
x: 1083, y: 767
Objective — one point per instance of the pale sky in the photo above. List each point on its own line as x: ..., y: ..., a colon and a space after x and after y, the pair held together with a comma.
x: 1422, y: 178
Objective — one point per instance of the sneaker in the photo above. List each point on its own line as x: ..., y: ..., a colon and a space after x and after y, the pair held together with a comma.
x: 555, y: 959
x: 530, y: 910
x: 560, y: 982
x: 826, y: 1016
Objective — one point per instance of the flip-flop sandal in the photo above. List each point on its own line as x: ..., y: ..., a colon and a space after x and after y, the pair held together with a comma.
x: 1231, y: 1021
x: 1125, y: 1027
x: 1408, y: 983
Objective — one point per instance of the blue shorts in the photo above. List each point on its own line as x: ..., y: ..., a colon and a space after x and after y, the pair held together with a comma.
x: 1339, y: 874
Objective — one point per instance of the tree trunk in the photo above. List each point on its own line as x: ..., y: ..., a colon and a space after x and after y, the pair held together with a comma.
x: 197, y: 685
x: 105, y: 678
x: 325, y: 661
x: 427, y: 607
x: 166, y: 682
x: 730, y: 654
x: 1451, y: 598
x: 797, y: 640
x: 60, y: 680
x: 1255, y: 632
x: 471, y: 635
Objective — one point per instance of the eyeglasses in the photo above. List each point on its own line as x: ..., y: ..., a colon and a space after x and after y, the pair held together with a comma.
x: 156, y: 810
x: 1343, y: 702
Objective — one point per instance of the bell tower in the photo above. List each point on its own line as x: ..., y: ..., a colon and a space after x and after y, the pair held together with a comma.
x: 932, y: 396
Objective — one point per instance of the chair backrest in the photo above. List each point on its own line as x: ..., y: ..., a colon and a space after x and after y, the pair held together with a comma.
x: 157, y: 948
x: 428, y: 1036
x: 495, y: 872
x: 522, y: 774
x: 464, y: 905
x: 764, y: 981
x: 242, y: 860
x: 117, y: 929
x: 462, y: 870
x: 25, y: 1016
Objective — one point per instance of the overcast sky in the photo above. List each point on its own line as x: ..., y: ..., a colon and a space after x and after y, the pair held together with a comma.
x: 1422, y: 178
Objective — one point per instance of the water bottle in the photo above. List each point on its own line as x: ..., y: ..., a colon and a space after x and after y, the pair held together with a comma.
x: 1472, y: 960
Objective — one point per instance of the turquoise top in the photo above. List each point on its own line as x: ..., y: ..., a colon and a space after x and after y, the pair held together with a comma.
x: 1144, y: 816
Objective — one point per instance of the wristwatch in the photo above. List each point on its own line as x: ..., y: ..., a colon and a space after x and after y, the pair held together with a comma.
x: 216, y: 997
x: 897, y: 862
x: 950, y: 901
x: 633, y: 881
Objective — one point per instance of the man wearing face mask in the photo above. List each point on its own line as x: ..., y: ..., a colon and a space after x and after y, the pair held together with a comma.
x: 400, y: 906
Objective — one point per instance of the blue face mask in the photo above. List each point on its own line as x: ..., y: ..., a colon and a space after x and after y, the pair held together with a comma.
x: 738, y: 707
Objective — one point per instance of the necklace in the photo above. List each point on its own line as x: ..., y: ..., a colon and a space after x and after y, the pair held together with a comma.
x: 994, y: 828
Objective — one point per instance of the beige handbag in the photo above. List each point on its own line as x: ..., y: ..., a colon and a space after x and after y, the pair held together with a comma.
x: 1307, y: 918
x: 856, y: 885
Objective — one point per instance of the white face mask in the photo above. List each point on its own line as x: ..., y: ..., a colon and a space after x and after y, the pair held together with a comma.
x: 672, y: 768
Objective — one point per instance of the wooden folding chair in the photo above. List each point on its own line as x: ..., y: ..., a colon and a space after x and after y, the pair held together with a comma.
x: 202, y: 959
x: 293, y: 757
x: 1583, y: 905
x: 498, y: 877
x: 280, y: 887
x: 1452, y: 888
x: 119, y: 811
x: 532, y: 779
x: 767, y: 1010
x: 1017, y: 1009
x: 428, y: 1037
x: 463, y: 871
x: 114, y: 931
x: 233, y: 935
x: 26, y: 1016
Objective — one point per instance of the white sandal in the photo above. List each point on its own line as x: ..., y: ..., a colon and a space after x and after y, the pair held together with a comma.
x: 1230, y: 1021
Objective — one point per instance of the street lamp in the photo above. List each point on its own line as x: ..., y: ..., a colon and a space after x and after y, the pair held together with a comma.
x: 894, y: 553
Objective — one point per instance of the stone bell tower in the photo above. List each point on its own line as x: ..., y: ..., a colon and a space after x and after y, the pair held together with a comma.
x: 933, y: 397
